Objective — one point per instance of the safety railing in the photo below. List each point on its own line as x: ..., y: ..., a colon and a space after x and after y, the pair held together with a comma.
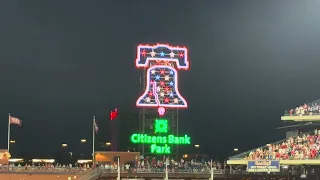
x: 92, y: 175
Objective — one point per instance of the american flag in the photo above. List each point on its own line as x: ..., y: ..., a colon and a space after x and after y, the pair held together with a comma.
x: 96, y: 128
x: 14, y: 120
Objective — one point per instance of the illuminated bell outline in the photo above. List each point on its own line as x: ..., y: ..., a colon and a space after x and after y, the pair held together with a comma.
x: 150, y: 88
x: 143, y: 61
x: 146, y: 54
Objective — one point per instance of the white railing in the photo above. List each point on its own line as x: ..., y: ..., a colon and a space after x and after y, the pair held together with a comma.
x: 92, y: 175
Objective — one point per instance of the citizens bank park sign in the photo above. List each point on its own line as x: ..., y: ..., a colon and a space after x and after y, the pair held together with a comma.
x: 160, y: 142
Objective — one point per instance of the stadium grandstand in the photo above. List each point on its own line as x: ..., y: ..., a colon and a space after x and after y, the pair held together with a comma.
x: 305, y: 112
x: 299, y: 152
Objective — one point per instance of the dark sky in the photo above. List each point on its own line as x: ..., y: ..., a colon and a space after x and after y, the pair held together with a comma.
x: 61, y: 62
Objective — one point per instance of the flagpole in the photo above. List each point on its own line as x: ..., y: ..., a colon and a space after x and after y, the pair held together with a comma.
x: 118, y: 168
x: 9, y: 129
x: 211, y: 171
x: 166, y: 177
x: 93, y: 141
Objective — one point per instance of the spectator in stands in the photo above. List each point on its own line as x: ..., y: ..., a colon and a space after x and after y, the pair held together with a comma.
x: 304, y: 146
x: 305, y: 109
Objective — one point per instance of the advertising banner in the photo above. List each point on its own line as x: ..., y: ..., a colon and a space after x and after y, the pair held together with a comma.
x: 263, y: 166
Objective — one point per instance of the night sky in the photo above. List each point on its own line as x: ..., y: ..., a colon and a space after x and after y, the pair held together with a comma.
x: 62, y: 62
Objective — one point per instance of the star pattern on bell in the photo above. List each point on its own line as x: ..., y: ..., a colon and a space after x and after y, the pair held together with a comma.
x: 158, y: 89
x: 175, y: 100
x: 166, y: 78
x: 143, y: 52
x: 162, y: 87
x: 172, y: 54
x: 152, y: 53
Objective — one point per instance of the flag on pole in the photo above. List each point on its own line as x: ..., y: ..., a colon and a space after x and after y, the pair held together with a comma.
x: 114, y: 114
x: 14, y: 120
x: 96, y: 128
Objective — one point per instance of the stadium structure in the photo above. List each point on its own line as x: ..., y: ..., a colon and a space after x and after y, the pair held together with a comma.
x: 160, y: 98
x: 297, y: 154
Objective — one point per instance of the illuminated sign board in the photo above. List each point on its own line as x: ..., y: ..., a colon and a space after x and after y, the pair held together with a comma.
x: 263, y: 166
x: 163, y: 62
x: 160, y: 142
x: 161, y: 126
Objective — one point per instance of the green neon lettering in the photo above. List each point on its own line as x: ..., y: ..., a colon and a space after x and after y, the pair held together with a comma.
x: 134, y: 138
x: 167, y: 149
x: 181, y: 140
x: 160, y: 144
x: 186, y: 139
x: 176, y: 140
x: 159, y: 140
x: 146, y: 138
x: 153, y: 148
x: 164, y: 139
x: 154, y: 139
x: 160, y: 149
x: 171, y: 139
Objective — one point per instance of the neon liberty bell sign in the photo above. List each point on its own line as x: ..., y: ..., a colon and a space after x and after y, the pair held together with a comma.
x: 163, y: 62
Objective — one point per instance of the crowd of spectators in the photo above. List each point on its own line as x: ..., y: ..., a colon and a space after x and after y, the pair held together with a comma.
x: 194, y: 165
x: 305, y: 109
x: 153, y: 164
x: 139, y: 165
x: 58, y: 168
x: 304, y: 146
x: 158, y: 164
